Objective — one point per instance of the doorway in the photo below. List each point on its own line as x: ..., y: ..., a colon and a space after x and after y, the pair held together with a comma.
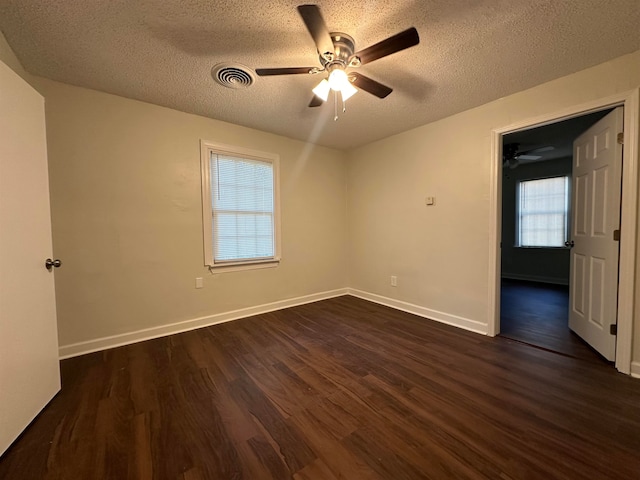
x: 628, y: 214
x: 536, y: 215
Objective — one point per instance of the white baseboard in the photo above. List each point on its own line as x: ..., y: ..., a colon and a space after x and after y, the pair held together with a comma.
x: 442, y: 317
x: 90, y: 346
x: 635, y: 369
x: 98, y: 344
x: 536, y: 278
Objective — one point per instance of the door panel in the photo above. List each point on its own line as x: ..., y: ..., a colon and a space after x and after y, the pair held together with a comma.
x: 29, y: 367
x: 580, y: 209
x: 598, y: 291
x: 578, y: 283
x: 597, y: 173
x: 600, y: 184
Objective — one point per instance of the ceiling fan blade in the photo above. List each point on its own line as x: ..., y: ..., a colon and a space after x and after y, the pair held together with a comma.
x: 316, y: 101
x: 528, y: 157
x: 393, y: 44
x: 548, y: 148
x: 317, y: 28
x: 369, y: 85
x: 265, y: 72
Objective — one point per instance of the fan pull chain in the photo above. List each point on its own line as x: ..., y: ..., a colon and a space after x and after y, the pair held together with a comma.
x: 335, y: 106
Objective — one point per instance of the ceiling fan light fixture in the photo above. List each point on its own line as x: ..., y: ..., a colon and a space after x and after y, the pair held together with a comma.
x: 348, y: 91
x: 322, y: 90
x: 338, y: 80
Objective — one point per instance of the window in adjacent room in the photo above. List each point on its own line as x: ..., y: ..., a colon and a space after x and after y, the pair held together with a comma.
x: 240, y: 207
x: 543, y: 212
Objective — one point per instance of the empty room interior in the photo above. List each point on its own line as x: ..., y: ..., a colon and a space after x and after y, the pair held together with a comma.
x: 365, y: 240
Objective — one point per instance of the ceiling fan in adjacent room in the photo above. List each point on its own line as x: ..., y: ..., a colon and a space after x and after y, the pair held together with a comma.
x: 338, y: 55
x: 512, y: 156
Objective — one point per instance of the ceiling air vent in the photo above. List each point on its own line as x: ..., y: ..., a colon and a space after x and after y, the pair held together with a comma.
x: 232, y: 75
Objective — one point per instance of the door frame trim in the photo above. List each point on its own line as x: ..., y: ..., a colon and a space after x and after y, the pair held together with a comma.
x: 628, y: 219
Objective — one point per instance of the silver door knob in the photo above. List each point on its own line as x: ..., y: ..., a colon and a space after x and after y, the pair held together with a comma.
x: 49, y: 264
x: 569, y: 243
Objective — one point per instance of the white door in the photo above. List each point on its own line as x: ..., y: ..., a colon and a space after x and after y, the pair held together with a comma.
x: 597, y: 175
x: 29, y: 367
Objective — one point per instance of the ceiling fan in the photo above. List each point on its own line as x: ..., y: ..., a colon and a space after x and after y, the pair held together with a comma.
x: 337, y: 54
x: 512, y: 156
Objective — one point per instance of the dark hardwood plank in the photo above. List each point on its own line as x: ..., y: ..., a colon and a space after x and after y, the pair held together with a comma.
x: 317, y: 470
x: 342, y: 462
x: 538, y: 314
x: 294, y: 450
x: 339, y: 389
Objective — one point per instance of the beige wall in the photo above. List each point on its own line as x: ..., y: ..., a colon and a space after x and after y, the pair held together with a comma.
x: 440, y: 254
x: 127, y: 216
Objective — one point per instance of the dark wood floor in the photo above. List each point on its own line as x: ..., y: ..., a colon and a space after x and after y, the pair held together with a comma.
x: 338, y: 389
x: 538, y: 314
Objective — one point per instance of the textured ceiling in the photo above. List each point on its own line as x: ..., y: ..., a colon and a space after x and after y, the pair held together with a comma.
x: 162, y: 51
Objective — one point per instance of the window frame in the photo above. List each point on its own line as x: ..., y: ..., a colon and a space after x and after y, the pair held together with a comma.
x: 567, y: 220
x: 206, y: 149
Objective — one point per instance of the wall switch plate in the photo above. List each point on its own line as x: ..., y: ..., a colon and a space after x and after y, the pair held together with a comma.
x: 430, y: 201
x: 394, y: 281
x: 199, y: 283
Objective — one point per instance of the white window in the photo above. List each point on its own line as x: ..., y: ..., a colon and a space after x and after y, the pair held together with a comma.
x: 240, y: 207
x: 543, y: 211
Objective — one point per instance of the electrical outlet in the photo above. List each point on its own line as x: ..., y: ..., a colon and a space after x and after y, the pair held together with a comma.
x: 394, y: 281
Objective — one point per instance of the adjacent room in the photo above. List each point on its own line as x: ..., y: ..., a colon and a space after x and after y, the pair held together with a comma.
x: 365, y: 240
x: 537, y: 214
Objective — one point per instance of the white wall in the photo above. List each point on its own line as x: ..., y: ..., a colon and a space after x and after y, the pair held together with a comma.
x: 127, y: 221
x: 440, y: 254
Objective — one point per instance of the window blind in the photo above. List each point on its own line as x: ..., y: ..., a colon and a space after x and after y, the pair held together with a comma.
x: 242, y: 196
x: 542, y: 212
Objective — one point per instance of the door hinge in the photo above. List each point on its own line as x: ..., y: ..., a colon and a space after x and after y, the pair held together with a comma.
x: 621, y: 138
x: 616, y: 235
x: 613, y: 329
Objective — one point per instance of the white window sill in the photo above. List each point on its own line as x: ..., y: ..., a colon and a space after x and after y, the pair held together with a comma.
x: 540, y: 248
x: 240, y: 266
